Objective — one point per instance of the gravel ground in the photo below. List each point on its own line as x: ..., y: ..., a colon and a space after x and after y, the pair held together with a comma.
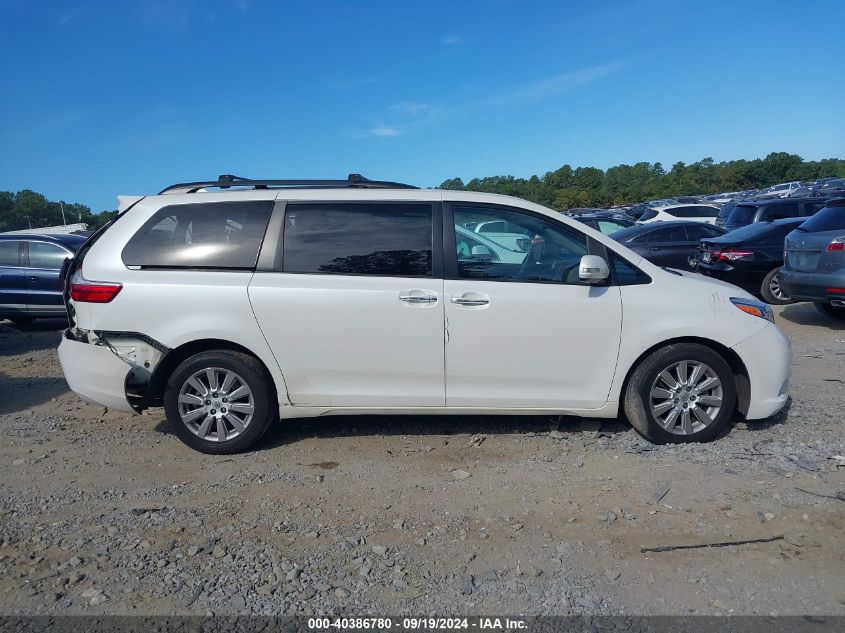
x: 104, y: 513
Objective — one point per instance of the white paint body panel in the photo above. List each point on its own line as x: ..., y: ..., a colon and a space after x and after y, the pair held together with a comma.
x: 767, y: 357
x: 530, y: 346
x: 349, y: 341
x: 94, y: 373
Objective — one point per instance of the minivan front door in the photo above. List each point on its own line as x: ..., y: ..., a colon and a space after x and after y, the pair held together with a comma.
x: 353, y: 307
x: 522, y: 331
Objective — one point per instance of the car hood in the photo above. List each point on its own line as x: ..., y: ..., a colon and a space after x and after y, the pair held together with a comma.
x: 705, y: 284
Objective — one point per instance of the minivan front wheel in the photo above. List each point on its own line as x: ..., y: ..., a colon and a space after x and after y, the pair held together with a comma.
x: 219, y: 402
x: 684, y: 392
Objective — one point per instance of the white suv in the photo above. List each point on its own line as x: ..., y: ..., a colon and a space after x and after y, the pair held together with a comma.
x: 236, y: 302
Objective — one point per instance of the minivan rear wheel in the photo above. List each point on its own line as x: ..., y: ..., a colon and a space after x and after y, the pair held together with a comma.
x: 771, y: 290
x: 219, y: 402
x: 684, y: 392
x: 834, y: 311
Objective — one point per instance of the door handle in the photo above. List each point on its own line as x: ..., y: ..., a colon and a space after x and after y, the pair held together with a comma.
x: 654, y: 248
x: 466, y: 301
x: 32, y: 278
x: 409, y: 298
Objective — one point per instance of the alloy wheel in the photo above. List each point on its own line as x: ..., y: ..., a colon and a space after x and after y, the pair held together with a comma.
x: 686, y: 397
x: 776, y: 290
x: 216, y: 404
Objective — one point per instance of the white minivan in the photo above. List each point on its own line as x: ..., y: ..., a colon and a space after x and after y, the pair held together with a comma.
x: 235, y: 303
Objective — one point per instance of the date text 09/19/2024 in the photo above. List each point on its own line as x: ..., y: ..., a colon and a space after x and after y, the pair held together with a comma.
x: 411, y: 623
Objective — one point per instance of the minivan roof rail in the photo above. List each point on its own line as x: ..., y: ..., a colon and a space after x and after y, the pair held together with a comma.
x: 225, y: 181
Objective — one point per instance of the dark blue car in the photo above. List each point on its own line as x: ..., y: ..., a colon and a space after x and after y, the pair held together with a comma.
x: 29, y: 275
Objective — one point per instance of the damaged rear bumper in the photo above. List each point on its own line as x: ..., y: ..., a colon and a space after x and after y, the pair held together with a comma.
x: 112, y: 369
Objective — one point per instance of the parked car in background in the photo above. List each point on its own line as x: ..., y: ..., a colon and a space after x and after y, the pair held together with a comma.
x: 29, y: 275
x: 745, y: 213
x: 476, y: 246
x: 615, y: 213
x: 670, y: 243
x: 783, y: 190
x: 750, y: 257
x: 580, y: 210
x: 509, y: 236
x: 814, y: 260
x: 695, y: 212
x: 606, y: 223
x: 267, y: 299
x: 833, y: 188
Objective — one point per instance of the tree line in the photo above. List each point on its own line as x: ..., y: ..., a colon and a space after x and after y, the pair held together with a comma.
x: 566, y: 187
x: 28, y: 209
x: 561, y: 189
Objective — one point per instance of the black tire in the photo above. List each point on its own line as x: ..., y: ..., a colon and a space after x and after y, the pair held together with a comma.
x: 770, y: 286
x: 21, y: 320
x: 637, y: 397
x: 251, y: 372
x: 829, y: 310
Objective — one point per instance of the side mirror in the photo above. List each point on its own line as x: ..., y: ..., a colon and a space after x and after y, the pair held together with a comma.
x: 593, y: 269
x: 482, y: 252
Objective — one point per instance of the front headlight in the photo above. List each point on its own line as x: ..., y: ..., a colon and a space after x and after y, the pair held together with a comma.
x: 754, y: 308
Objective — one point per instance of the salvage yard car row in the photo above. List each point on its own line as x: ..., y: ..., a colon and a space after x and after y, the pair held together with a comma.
x: 748, y: 244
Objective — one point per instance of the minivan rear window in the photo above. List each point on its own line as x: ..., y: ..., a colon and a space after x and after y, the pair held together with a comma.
x: 393, y: 239
x: 210, y: 235
x: 828, y: 219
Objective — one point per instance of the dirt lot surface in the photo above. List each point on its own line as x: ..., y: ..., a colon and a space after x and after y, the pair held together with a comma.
x: 102, y: 512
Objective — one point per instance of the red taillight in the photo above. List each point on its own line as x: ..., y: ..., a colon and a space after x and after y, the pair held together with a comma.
x: 94, y: 292
x: 731, y: 255
x: 834, y: 289
x: 836, y: 245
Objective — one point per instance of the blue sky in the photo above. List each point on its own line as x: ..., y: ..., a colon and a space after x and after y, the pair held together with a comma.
x: 101, y: 98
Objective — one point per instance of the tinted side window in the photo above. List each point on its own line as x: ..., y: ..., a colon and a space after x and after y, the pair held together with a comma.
x: 204, y: 235
x: 780, y: 211
x: 810, y: 208
x: 706, y: 212
x: 392, y: 240
x: 470, y: 248
x: 43, y: 255
x: 622, y: 273
x: 742, y: 214
x: 533, y: 249
x: 9, y: 253
x: 648, y: 215
x: 701, y: 231
x: 669, y: 234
